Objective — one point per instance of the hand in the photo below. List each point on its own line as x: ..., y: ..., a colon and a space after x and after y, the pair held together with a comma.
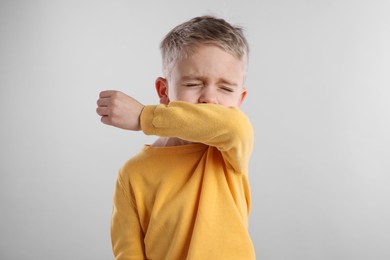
x: 119, y: 110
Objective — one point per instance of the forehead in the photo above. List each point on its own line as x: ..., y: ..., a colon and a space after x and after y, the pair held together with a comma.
x: 209, y: 61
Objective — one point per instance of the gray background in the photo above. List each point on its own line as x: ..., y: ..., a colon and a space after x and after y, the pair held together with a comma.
x: 319, y: 91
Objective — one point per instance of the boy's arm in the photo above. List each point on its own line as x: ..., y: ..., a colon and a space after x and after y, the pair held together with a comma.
x: 126, y: 232
x: 225, y: 128
x: 228, y: 129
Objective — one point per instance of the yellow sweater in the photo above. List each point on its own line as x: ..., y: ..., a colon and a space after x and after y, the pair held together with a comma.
x: 190, y: 201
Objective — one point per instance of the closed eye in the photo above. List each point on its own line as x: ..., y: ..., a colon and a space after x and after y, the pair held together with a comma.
x: 192, y: 84
x: 227, y: 89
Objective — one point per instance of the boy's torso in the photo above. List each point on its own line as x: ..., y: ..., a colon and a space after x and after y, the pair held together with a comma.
x: 191, y: 205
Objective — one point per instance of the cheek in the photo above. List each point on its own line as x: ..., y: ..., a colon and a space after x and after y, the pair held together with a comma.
x: 230, y: 100
x: 183, y: 94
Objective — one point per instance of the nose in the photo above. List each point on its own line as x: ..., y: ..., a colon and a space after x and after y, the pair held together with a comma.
x: 208, y: 95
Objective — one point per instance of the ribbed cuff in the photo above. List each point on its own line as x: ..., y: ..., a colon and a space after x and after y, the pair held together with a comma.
x: 147, y: 116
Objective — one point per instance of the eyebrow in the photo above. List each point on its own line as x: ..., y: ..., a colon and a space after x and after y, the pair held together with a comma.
x: 191, y: 78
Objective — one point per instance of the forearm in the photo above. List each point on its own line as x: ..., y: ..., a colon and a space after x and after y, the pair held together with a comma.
x: 214, y: 125
x: 225, y: 128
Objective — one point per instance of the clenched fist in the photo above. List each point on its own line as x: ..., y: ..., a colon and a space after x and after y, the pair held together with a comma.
x: 119, y: 110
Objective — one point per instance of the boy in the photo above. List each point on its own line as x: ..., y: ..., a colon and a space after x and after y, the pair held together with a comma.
x: 187, y: 196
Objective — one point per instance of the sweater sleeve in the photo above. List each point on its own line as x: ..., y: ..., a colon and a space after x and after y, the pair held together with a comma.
x: 225, y: 128
x: 126, y: 231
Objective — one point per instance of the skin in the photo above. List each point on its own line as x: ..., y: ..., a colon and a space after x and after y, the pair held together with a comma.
x: 210, y: 75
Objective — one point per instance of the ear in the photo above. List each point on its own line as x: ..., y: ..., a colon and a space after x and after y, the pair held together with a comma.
x: 243, y: 96
x: 162, y: 90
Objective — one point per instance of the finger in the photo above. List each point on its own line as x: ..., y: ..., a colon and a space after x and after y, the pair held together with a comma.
x: 106, y: 120
x: 103, y: 111
x: 107, y: 93
x: 103, y: 102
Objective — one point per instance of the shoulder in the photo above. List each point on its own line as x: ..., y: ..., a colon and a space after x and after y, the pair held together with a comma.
x: 133, y: 165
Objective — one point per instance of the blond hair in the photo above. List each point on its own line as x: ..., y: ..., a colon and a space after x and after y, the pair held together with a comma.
x: 182, y: 40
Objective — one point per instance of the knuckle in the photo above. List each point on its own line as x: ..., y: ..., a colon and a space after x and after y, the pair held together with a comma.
x: 114, y: 113
x: 116, y: 94
x: 115, y: 102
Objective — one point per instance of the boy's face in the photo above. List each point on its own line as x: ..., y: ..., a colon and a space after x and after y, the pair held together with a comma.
x: 210, y: 75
